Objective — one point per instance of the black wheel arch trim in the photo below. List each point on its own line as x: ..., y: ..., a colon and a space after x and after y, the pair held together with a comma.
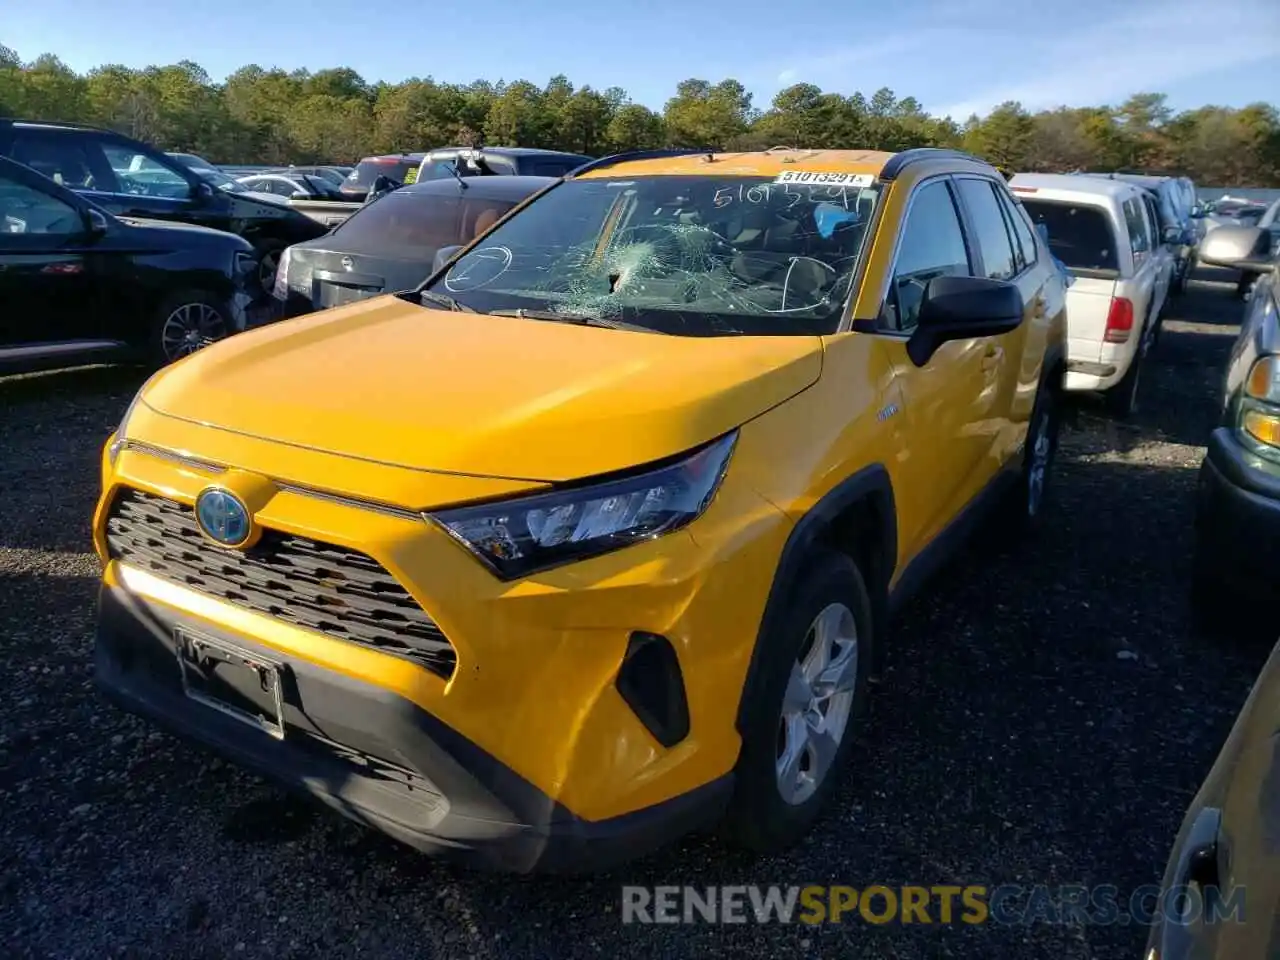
x: 872, y: 485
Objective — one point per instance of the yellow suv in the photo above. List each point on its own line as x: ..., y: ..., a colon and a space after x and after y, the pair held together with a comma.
x: 593, y: 538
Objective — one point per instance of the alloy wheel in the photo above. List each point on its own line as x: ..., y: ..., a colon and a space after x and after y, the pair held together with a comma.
x: 189, y: 327
x: 817, y: 704
x: 1041, y: 454
x: 267, y: 265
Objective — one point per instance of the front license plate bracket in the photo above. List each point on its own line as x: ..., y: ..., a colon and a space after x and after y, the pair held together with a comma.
x: 233, y: 681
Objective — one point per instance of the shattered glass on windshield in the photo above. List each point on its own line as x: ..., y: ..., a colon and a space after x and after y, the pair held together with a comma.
x: 693, y: 255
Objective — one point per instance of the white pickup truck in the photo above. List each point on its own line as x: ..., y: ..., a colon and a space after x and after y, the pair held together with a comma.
x: 1106, y: 232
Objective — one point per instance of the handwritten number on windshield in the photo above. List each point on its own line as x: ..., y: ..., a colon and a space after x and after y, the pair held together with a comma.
x: 763, y: 192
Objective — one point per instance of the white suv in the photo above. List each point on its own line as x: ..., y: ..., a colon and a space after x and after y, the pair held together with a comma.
x: 1106, y: 232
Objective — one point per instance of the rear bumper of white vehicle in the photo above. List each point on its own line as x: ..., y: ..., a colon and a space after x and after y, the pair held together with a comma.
x: 1088, y: 375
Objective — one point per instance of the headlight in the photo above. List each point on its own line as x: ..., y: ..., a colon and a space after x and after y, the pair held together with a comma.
x: 280, y: 288
x: 1259, y: 413
x: 519, y: 537
x: 121, y: 434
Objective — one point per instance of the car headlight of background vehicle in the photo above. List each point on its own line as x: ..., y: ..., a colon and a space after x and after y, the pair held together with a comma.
x: 1258, y: 423
x: 518, y: 537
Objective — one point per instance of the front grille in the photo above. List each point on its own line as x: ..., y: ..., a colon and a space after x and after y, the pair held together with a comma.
x: 339, y: 592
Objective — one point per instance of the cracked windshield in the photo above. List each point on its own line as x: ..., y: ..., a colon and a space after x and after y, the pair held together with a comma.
x: 688, y: 255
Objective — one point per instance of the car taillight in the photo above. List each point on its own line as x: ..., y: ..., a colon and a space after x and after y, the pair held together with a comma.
x: 1119, y: 321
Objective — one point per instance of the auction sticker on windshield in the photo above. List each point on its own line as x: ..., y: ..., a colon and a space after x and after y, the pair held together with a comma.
x: 826, y: 179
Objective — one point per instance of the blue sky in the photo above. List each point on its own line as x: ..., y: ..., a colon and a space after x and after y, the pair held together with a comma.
x: 954, y: 56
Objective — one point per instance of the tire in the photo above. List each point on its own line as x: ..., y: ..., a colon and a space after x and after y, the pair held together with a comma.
x: 1122, y: 399
x: 1026, y: 505
x: 760, y: 817
x: 264, y: 274
x: 186, y: 321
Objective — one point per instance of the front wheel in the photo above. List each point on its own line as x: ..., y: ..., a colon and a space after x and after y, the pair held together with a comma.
x: 185, y: 322
x: 1028, y: 502
x: 268, y: 262
x: 800, y: 722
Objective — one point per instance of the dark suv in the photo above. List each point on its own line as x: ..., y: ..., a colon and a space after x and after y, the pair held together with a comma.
x: 131, y: 179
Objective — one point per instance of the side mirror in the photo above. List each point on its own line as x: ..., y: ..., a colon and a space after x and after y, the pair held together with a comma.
x: 961, y: 308
x: 96, y: 223
x: 1247, y: 249
x: 1198, y: 212
x: 203, y: 192
x: 300, y: 195
x: 1172, y: 235
x: 443, y: 256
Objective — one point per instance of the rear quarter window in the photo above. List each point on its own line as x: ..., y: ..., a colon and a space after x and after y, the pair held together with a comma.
x: 1080, y: 235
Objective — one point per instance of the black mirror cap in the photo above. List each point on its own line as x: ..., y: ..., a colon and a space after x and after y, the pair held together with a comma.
x: 961, y: 308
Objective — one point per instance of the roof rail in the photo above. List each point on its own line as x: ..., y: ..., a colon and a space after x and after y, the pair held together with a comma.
x: 616, y: 158
x: 60, y: 123
x: 893, y: 166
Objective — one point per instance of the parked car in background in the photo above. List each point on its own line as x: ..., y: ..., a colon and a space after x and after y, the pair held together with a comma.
x: 130, y: 178
x: 1107, y: 234
x: 398, y: 167
x: 593, y: 538
x: 335, y: 175
x: 292, y: 186
x: 391, y: 244
x: 1175, y: 204
x: 1246, y: 250
x: 78, y: 285
x: 1227, y: 852
x: 448, y: 162
x: 194, y: 161
x: 1238, y: 506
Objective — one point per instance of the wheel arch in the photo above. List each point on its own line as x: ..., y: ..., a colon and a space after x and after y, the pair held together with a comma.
x: 858, y: 517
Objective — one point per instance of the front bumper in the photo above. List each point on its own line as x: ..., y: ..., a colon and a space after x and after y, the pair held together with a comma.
x: 377, y: 757
x: 1238, y: 515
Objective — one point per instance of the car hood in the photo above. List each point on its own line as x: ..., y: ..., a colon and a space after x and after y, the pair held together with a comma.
x: 180, y: 232
x: 391, y: 382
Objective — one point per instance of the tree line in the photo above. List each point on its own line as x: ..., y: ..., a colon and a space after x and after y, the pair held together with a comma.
x: 271, y: 116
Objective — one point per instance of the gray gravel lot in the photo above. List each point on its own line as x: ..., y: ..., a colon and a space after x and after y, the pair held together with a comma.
x: 1046, y: 716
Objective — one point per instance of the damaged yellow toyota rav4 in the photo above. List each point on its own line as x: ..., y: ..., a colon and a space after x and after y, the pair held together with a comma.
x: 593, y: 539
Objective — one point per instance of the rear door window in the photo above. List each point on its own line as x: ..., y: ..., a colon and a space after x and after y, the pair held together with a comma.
x: 1021, y: 228
x: 1136, y: 221
x: 65, y: 160
x: 989, y: 227
x: 1080, y: 235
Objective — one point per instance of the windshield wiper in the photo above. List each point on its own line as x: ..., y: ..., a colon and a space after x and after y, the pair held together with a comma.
x: 578, y: 319
x: 426, y: 297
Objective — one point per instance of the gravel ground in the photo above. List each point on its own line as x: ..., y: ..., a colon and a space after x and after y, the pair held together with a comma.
x: 1046, y: 717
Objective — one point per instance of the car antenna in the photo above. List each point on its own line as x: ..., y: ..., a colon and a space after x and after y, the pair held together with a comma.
x: 456, y: 175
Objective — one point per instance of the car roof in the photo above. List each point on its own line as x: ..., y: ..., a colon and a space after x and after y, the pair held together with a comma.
x: 507, y: 152
x: 752, y: 164
x: 1083, y: 185
x: 489, y: 188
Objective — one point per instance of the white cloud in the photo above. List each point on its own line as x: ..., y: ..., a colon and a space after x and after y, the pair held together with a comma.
x: 1140, y: 50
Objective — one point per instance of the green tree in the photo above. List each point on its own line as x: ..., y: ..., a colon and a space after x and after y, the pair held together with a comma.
x: 273, y: 116
x: 1004, y: 138
x: 703, y: 115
